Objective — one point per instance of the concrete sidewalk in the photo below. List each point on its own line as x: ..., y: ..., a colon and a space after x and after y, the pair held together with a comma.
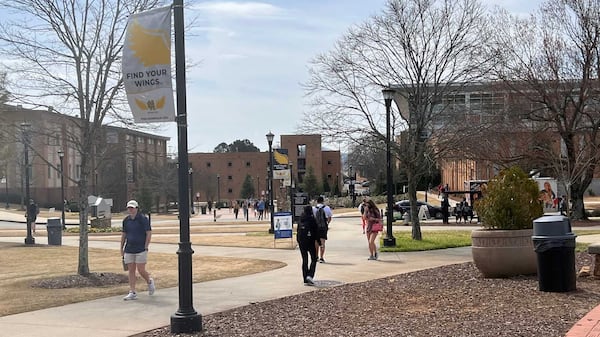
x: 346, y: 258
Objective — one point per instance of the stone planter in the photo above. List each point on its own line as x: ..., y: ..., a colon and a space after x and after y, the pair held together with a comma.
x: 504, y: 253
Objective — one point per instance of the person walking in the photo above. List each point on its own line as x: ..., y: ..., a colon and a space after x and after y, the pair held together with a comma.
x: 135, y: 240
x: 308, y: 240
x: 32, y: 212
x: 445, y: 210
x: 323, y: 216
x: 374, y: 226
x: 236, y: 208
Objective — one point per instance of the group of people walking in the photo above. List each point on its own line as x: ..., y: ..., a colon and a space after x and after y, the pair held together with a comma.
x: 312, y: 234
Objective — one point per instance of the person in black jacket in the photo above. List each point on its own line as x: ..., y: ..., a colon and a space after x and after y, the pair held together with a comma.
x: 307, y: 236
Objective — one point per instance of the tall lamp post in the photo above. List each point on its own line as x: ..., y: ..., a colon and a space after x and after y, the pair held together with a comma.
x: 270, y: 137
x: 218, y: 191
x: 191, y: 173
x: 292, y: 190
x: 61, y: 156
x: 5, y: 180
x: 351, y: 186
x: 389, y: 240
x: 29, y: 240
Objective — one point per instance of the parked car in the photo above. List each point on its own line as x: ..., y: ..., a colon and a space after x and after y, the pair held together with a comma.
x: 403, y: 206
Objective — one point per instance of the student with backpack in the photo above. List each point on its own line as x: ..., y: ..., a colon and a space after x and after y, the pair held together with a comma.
x: 308, y: 239
x: 323, y: 215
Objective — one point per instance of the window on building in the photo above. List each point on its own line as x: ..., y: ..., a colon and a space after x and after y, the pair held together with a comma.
x: 77, y: 171
x: 140, y: 140
x: 301, y: 150
x: 329, y: 177
x: 49, y: 171
x: 229, y: 177
x: 207, y: 164
x: 247, y: 164
x: 230, y: 164
x: 329, y: 162
x: 150, y: 141
x: 301, y: 163
x: 230, y: 190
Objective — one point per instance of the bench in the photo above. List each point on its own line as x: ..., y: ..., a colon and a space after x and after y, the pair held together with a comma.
x: 594, y: 249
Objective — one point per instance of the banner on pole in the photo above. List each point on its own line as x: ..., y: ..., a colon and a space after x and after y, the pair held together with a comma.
x: 280, y: 164
x: 147, y: 66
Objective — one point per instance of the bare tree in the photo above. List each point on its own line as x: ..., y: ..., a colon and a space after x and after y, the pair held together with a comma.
x: 67, y: 53
x: 424, y: 50
x: 552, y: 60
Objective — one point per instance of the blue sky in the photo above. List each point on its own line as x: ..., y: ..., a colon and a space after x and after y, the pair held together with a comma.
x: 250, y: 58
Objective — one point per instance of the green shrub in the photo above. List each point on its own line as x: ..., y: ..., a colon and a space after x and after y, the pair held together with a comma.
x: 510, y: 201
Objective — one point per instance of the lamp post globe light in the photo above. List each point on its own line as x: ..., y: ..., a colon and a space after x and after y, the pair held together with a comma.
x: 61, y: 156
x: 191, y: 173
x: 270, y: 137
x: 389, y: 240
x: 25, y: 127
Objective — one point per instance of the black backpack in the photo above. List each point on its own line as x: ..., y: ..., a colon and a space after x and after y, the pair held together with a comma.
x: 304, y: 231
x: 321, y: 218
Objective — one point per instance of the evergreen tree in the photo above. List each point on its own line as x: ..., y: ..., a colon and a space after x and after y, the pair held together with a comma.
x: 310, y: 185
x: 247, y: 190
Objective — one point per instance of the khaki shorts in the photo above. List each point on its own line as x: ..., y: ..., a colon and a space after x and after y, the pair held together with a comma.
x: 136, y: 258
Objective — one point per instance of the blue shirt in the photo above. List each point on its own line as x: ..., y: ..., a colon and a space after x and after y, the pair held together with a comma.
x: 135, y: 233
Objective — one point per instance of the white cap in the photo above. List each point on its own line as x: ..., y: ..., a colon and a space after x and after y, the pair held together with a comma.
x: 132, y: 203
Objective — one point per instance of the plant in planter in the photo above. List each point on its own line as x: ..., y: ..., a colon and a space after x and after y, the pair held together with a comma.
x: 504, y: 247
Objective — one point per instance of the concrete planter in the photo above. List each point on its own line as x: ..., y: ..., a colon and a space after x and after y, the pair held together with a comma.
x: 504, y: 253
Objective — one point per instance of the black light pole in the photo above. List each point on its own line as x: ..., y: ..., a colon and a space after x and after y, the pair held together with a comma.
x: 351, y: 187
x: 292, y: 190
x: 61, y: 155
x: 257, y: 187
x: 29, y: 240
x: 389, y: 240
x: 185, y: 319
x: 218, y: 191
x: 270, y: 140
x: 6, y: 187
x: 191, y: 172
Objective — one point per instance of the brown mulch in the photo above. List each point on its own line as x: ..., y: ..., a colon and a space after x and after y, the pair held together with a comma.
x: 446, y: 301
x: 79, y: 281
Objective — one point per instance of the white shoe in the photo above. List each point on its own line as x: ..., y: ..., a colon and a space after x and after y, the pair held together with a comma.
x: 309, y: 280
x: 151, y: 287
x: 131, y: 296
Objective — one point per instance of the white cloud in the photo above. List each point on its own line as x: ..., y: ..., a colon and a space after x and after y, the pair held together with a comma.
x: 239, y: 9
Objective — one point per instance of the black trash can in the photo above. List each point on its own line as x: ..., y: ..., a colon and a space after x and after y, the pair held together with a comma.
x: 203, y: 209
x: 554, y: 244
x: 54, y: 229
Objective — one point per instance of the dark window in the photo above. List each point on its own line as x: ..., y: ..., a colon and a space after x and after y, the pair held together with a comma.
x: 329, y: 162
x: 247, y: 164
x: 230, y: 177
x: 229, y: 164
x: 230, y: 191
x: 301, y: 164
x: 207, y: 164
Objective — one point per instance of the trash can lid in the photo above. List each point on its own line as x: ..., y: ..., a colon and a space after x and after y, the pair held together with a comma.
x: 551, y: 225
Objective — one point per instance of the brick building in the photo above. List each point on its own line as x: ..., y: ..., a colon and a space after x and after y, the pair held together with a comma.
x: 221, y: 175
x: 118, y: 158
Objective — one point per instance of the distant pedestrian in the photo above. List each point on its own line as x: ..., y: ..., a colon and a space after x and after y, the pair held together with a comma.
x: 236, y: 208
x: 445, y: 209
x: 374, y: 226
x: 245, y: 209
x: 261, y: 209
x: 323, y: 216
x: 308, y: 239
x: 135, y: 240
x: 563, y: 205
x: 32, y: 212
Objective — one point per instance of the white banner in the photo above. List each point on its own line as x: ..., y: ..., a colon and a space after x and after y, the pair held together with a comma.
x: 147, y: 66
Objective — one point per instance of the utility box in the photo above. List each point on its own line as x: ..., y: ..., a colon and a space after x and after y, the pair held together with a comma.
x: 54, y: 230
x: 100, y: 207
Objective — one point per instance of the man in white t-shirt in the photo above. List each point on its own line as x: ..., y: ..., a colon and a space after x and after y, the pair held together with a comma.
x: 322, y: 232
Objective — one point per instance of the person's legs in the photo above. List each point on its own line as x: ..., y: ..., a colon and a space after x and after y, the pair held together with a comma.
x: 131, y: 268
x: 313, y: 260
x: 372, y: 245
x: 304, y: 254
x: 322, y: 249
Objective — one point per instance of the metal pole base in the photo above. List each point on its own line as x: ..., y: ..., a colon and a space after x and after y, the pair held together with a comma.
x: 271, y: 231
x: 30, y: 240
x: 181, y: 323
x: 389, y: 242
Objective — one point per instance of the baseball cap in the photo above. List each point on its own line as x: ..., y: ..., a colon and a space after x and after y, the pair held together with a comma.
x: 132, y: 203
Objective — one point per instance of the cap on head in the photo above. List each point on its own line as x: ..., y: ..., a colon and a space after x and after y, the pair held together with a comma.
x: 132, y: 203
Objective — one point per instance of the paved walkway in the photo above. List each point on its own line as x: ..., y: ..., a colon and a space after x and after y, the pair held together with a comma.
x: 346, y: 263
x: 346, y: 257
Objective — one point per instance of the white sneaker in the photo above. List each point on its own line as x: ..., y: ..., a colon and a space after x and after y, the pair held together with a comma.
x: 151, y: 287
x: 131, y: 296
x: 309, y: 281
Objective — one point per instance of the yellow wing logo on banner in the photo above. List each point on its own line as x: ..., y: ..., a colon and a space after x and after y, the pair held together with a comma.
x: 280, y: 158
x: 150, y: 104
x: 150, y: 46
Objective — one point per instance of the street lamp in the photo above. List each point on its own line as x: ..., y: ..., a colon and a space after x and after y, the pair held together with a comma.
x: 389, y: 240
x: 270, y: 140
x: 292, y: 190
x: 5, y: 180
x: 351, y: 186
x: 61, y: 155
x: 191, y: 173
x: 25, y: 127
x: 218, y: 191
